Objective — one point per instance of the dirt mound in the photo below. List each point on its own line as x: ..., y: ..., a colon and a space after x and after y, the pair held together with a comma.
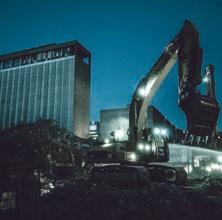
x: 38, y: 142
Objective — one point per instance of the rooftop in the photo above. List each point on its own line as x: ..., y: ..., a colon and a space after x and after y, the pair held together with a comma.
x: 78, y: 49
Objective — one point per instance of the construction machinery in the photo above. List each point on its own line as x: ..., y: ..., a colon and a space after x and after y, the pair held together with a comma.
x: 201, y: 111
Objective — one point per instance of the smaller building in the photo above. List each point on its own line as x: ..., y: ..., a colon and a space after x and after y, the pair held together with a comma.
x: 114, y: 121
x: 94, y: 130
x: 114, y: 124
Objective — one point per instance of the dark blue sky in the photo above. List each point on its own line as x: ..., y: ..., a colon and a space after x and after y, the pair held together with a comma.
x: 125, y: 38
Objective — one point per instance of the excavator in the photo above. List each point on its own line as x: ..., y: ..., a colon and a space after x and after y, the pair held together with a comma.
x: 201, y: 111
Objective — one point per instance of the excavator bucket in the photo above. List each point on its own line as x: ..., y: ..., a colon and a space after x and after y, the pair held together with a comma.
x: 202, y: 113
x: 201, y: 110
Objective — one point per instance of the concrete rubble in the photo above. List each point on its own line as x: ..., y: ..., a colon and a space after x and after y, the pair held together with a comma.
x: 70, y: 195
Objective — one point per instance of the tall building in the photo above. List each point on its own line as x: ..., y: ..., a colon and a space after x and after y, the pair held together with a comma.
x: 47, y: 82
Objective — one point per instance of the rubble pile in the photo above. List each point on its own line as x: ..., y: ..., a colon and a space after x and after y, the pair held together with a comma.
x: 75, y: 197
x: 85, y: 200
x: 212, y: 185
x: 32, y: 142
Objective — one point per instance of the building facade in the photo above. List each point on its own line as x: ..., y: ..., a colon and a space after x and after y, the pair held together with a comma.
x: 48, y: 82
x: 117, y: 120
x: 94, y: 130
x: 113, y: 120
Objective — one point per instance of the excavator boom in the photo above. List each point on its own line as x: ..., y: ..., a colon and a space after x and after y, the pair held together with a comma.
x: 186, y: 49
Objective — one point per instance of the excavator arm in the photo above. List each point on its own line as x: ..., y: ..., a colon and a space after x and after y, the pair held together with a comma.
x: 201, y: 110
x: 201, y: 113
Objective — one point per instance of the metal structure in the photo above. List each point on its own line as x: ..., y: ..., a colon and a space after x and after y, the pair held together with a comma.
x: 201, y: 110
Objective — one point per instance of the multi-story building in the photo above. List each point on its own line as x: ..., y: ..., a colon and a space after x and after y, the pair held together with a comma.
x: 47, y: 82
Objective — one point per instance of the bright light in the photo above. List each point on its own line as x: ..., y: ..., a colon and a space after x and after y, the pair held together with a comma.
x: 140, y: 146
x: 51, y: 186
x: 205, y: 79
x: 219, y: 159
x: 215, y: 166
x: 208, y: 169
x: 106, y: 141
x: 153, y: 147
x: 131, y: 156
x: 196, y: 163
x: 147, y: 147
x: 163, y: 132
x: 142, y: 92
x: 156, y: 131
x: 106, y: 145
x: 93, y: 127
x: 145, y: 90
x: 160, y: 131
x: 119, y: 134
x: 188, y: 168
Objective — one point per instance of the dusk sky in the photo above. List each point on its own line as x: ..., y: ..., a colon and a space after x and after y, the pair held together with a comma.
x: 124, y: 37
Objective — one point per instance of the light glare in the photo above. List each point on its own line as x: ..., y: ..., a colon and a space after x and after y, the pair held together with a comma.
x: 106, y: 141
x: 119, y: 134
x: 147, y: 147
x: 142, y: 92
x: 205, y: 79
x: 163, y: 132
x: 132, y: 156
x: 153, y: 147
x: 156, y: 131
x: 208, y: 169
x: 140, y: 146
x: 219, y: 159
